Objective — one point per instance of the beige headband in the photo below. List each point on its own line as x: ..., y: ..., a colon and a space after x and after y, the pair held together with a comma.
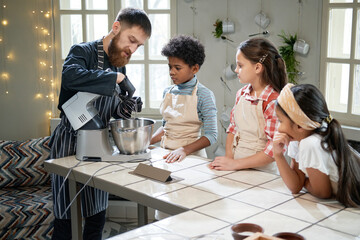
x: 288, y: 103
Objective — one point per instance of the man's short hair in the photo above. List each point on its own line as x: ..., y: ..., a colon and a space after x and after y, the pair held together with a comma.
x: 134, y: 17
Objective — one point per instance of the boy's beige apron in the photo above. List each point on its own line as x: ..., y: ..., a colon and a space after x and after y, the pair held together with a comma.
x: 250, y: 137
x: 182, y: 125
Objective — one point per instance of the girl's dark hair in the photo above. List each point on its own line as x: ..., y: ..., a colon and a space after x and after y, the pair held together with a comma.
x: 347, y: 160
x: 134, y: 17
x: 263, y: 51
x: 187, y: 48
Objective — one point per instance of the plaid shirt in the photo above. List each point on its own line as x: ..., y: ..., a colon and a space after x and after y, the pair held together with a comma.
x: 271, y: 121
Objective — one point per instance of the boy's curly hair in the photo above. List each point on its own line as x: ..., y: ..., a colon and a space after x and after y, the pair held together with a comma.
x: 187, y: 48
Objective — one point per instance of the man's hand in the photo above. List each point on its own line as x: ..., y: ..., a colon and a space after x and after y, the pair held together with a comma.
x: 128, y: 105
x: 126, y: 87
x: 138, y: 104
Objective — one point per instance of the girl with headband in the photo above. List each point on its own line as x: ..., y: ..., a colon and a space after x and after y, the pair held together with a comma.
x: 253, y: 120
x: 322, y: 160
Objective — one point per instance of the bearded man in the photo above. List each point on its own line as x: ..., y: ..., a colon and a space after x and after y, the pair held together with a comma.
x: 96, y: 67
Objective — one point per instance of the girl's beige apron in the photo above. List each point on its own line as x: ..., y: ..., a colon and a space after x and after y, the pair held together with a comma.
x: 250, y: 137
x: 182, y: 121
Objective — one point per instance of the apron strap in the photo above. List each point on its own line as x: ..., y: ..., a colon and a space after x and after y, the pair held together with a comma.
x: 100, y: 49
x: 195, y: 88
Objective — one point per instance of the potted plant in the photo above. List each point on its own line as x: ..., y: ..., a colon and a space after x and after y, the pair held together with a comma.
x: 288, y: 54
x: 218, y: 28
x: 218, y: 33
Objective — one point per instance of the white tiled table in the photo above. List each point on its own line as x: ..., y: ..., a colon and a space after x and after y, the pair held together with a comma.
x: 210, y: 202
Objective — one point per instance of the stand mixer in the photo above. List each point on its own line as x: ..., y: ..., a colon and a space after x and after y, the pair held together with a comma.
x: 131, y: 136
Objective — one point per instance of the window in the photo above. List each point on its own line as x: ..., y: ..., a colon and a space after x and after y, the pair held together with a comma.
x: 340, y: 59
x: 87, y: 20
x: 148, y: 70
x: 81, y: 21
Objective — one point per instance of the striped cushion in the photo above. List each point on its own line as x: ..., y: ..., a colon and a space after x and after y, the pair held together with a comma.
x: 25, y: 207
x: 21, y: 162
x: 41, y: 232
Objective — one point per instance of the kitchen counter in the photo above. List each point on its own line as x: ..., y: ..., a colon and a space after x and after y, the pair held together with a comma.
x: 209, y: 202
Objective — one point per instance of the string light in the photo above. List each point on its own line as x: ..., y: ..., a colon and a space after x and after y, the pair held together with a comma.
x: 10, y: 56
x: 42, y: 22
x: 5, y: 76
x: 49, y: 113
x: 42, y: 25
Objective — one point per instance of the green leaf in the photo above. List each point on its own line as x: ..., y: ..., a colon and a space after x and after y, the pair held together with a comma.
x: 218, y: 28
x: 287, y: 53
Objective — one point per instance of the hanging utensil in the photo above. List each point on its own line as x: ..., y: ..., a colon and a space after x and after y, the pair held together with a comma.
x: 223, y: 81
x: 260, y: 33
x: 226, y: 38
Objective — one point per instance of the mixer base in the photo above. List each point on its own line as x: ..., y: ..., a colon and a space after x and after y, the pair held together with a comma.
x: 127, y: 158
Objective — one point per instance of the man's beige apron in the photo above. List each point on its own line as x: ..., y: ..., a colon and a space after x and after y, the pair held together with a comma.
x: 182, y: 125
x: 250, y: 137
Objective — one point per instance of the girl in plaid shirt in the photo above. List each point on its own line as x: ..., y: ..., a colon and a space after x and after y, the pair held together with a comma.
x: 253, y: 120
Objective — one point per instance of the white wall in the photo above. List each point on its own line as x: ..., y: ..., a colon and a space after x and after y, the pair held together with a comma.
x: 283, y: 15
x: 22, y: 116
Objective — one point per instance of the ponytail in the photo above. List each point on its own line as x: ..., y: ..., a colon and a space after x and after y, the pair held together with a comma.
x: 347, y: 161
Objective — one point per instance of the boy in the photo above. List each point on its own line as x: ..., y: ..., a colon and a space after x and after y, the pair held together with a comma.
x: 187, y: 105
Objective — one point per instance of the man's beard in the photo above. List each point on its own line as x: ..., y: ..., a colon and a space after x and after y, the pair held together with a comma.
x: 115, y: 57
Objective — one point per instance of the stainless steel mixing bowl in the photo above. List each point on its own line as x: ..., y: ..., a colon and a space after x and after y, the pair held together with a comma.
x: 132, y: 136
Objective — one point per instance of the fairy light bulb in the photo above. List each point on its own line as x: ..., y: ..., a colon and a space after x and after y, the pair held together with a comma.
x: 4, y: 22
x: 5, y: 76
x: 10, y: 56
